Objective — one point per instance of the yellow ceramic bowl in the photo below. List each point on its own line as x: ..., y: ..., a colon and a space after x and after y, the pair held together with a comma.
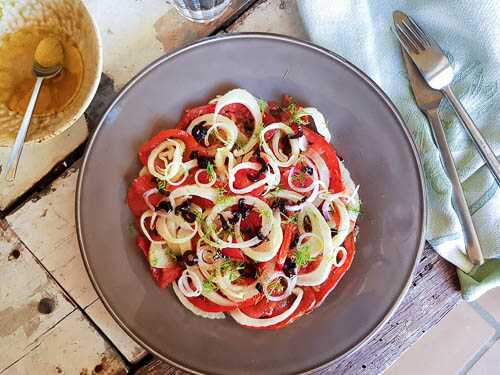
x: 65, y: 17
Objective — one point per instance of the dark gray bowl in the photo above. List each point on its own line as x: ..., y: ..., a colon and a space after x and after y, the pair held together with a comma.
x: 367, y: 131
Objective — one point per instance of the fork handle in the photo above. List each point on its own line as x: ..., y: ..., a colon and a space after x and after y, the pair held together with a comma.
x: 481, y: 144
x: 472, y: 245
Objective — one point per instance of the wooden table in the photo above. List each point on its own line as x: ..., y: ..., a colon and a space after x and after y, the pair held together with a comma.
x: 51, y: 319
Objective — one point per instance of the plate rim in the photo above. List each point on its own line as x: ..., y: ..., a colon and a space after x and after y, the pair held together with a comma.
x: 253, y: 35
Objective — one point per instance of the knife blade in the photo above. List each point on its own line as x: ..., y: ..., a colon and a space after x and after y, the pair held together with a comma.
x: 428, y: 101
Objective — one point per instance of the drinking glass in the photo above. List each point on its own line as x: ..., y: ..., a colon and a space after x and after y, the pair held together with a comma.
x: 202, y: 11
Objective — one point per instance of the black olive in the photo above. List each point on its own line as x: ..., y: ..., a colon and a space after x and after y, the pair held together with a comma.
x: 258, y: 286
x: 333, y: 231
x: 235, y: 218
x: 184, y: 206
x: 203, y: 162
x: 199, y: 132
x: 287, y: 147
x: 189, y: 216
x: 340, y: 157
x: 164, y: 192
x: 248, y: 270
x: 249, y: 232
x: 260, y: 236
x: 276, y: 203
x: 298, y: 134
x: 165, y: 205
x: 243, y: 209
x: 189, y: 258
x: 223, y: 222
x: 307, y: 169
x: 307, y: 224
x: 290, y: 267
x: 248, y: 125
x: 295, y: 241
x: 194, y: 155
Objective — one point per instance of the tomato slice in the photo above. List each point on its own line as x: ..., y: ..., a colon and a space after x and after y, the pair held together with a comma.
x: 135, y: 195
x: 143, y: 244
x: 165, y: 276
x: 192, y: 113
x: 329, y: 154
x: 289, y: 231
x: 234, y: 253
x: 204, y: 304
x: 322, y: 291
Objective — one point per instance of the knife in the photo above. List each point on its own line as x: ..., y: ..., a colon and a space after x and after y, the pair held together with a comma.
x: 428, y: 101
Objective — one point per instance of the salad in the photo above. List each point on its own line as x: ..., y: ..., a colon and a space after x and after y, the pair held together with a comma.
x: 246, y: 210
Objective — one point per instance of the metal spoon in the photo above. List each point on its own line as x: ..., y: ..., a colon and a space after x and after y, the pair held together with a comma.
x: 41, y: 73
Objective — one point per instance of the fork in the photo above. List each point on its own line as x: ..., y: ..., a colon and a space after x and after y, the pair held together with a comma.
x: 438, y: 73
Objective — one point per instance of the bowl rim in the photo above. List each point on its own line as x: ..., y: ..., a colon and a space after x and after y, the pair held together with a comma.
x: 255, y: 35
x: 92, y: 89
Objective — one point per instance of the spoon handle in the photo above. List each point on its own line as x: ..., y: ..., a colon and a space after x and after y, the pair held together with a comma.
x: 17, y: 149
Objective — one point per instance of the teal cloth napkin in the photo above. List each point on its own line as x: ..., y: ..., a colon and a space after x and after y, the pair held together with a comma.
x: 469, y: 32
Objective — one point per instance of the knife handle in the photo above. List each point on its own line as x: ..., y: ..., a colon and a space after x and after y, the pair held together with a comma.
x: 472, y: 245
x: 481, y: 144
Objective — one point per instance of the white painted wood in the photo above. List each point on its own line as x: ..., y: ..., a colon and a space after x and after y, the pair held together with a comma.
x: 128, y: 347
x: 46, y: 225
x: 72, y: 346
x: 273, y: 16
x: 34, y: 342
x: 38, y: 159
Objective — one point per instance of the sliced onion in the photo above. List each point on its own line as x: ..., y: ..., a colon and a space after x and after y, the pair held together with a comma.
x: 158, y: 257
x: 314, y: 177
x: 287, y: 194
x: 185, y: 286
x: 293, y: 143
x: 324, y: 172
x: 188, y: 190
x: 236, y: 293
x: 319, y: 121
x: 164, y: 232
x: 221, y: 155
x: 266, y: 250
x: 266, y: 322
x: 195, y: 310
x: 211, y: 181
x: 261, y: 206
x: 176, y: 163
x: 321, y: 228
x: 248, y: 100
x: 212, y: 296
x: 144, y: 216
x: 249, y: 188
x: 308, y: 235
x: 268, y: 280
x: 311, y: 198
x: 146, y: 196
x: 338, y: 250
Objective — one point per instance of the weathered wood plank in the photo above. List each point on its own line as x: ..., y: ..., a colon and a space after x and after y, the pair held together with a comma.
x: 432, y: 295
x: 40, y: 329
x: 125, y: 344
x: 272, y: 16
x: 46, y: 225
x: 72, y: 346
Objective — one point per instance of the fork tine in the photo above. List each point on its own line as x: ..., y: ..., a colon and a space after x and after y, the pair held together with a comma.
x: 411, y: 41
x: 413, y: 35
x: 401, y: 41
x: 424, y: 39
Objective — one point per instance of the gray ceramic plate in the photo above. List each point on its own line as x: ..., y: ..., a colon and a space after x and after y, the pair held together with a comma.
x: 368, y: 133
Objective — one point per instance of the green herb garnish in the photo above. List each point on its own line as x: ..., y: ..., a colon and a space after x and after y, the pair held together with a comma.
x: 161, y: 184
x: 290, y: 220
x: 267, y: 214
x: 209, y: 285
x: 223, y: 197
x: 356, y: 210
x: 231, y: 268
x: 211, y: 171
x: 303, y: 255
x: 262, y: 105
x: 131, y: 230
x: 295, y: 114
